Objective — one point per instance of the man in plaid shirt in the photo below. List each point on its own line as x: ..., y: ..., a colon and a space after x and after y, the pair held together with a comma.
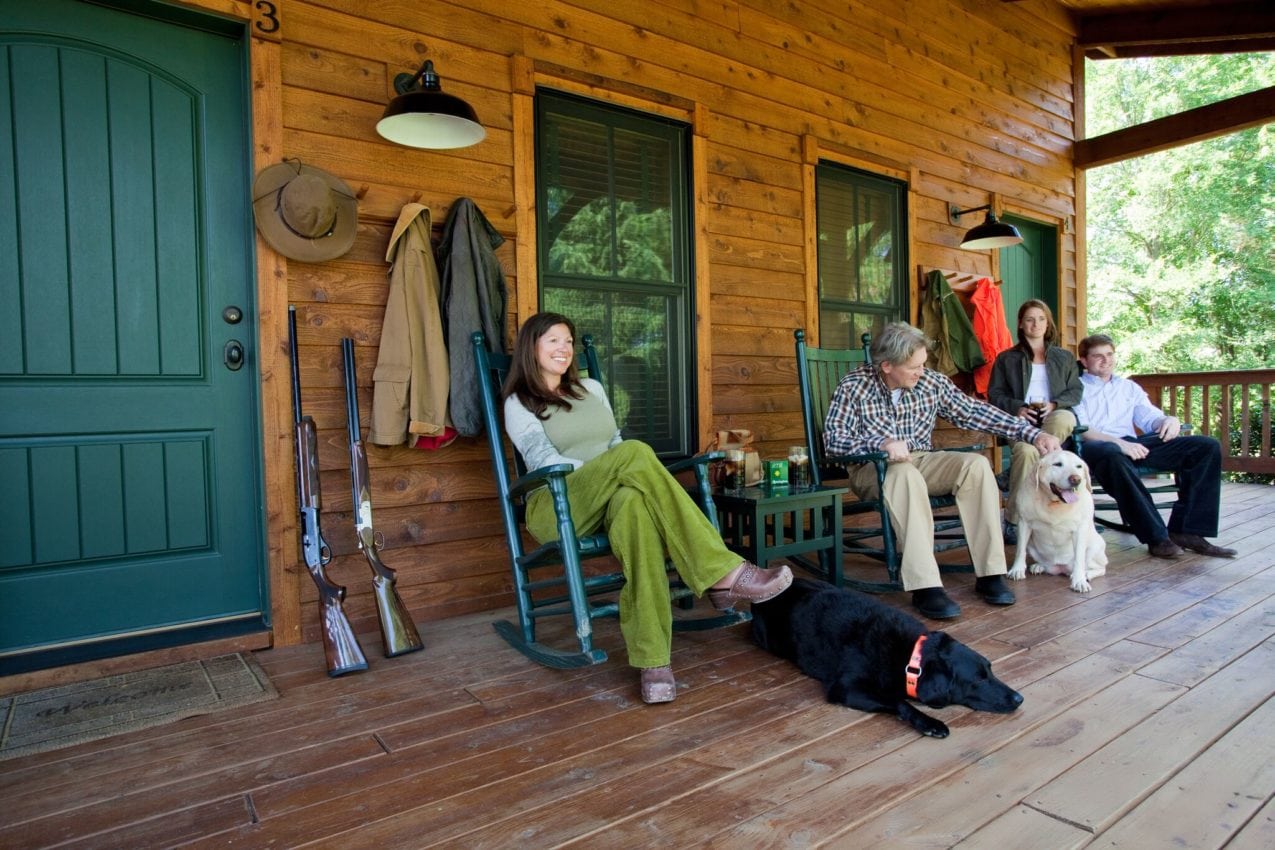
x: 889, y: 406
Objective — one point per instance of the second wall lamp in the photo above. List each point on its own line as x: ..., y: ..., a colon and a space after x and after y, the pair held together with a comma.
x: 423, y: 116
x: 990, y: 234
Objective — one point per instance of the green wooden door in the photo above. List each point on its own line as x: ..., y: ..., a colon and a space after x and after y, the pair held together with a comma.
x: 1029, y: 270
x: 129, y: 461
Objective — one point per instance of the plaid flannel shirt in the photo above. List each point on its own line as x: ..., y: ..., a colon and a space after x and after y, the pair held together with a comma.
x: 862, y: 416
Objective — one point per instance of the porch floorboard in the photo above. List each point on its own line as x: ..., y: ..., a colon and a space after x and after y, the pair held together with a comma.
x: 1146, y: 723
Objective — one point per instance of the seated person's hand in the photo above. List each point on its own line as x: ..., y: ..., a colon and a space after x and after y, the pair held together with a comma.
x: 1132, y: 450
x: 1046, y: 443
x: 1027, y: 413
x: 1169, y: 428
x: 896, y: 451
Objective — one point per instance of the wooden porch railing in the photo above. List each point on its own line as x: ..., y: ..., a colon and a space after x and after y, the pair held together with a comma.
x: 1234, y: 407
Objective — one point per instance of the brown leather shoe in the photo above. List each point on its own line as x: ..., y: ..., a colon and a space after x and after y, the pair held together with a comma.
x: 753, y: 584
x: 658, y: 685
x: 1196, y: 543
x: 1164, y: 549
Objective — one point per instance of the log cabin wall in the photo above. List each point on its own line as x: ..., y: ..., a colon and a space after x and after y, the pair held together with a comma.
x: 968, y: 101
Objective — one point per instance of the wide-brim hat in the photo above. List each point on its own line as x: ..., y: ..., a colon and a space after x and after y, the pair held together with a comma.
x: 304, y: 212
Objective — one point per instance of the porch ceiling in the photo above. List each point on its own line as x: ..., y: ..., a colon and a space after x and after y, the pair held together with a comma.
x: 1108, y: 29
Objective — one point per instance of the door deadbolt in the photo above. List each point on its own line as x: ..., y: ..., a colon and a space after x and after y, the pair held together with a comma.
x: 232, y: 315
x: 233, y: 355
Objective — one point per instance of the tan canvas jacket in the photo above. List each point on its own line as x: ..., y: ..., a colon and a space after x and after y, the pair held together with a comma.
x: 411, y: 379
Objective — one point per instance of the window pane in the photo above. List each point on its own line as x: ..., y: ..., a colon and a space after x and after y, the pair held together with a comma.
x: 845, y: 329
x: 643, y: 214
x: 578, y: 197
x: 637, y: 337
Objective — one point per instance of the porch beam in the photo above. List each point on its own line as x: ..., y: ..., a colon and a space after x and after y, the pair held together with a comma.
x: 1217, y: 28
x: 1193, y: 125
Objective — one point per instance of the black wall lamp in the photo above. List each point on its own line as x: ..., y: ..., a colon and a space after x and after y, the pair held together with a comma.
x: 422, y: 116
x: 990, y: 234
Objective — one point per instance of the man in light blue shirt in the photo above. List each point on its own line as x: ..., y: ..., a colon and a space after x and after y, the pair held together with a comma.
x: 1116, y: 410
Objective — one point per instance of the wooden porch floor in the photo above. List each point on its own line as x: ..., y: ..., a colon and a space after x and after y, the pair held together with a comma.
x: 1147, y: 723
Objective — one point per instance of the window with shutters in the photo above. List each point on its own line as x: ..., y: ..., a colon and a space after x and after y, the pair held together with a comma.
x: 614, y: 254
x: 861, y: 220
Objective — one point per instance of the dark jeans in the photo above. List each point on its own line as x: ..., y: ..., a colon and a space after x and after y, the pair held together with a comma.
x: 1196, y: 464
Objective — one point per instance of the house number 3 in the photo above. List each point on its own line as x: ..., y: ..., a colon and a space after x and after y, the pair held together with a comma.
x: 268, y: 20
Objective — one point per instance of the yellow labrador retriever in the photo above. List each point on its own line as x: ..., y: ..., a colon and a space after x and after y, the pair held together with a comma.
x: 1055, y: 523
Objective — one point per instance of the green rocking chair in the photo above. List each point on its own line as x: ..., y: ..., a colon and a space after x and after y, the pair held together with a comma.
x: 819, y: 370
x: 550, y: 580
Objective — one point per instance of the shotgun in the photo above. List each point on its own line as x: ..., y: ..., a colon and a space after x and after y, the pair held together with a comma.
x: 398, y: 632
x: 340, y: 646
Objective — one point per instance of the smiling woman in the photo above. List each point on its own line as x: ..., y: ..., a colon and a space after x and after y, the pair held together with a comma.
x: 555, y: 416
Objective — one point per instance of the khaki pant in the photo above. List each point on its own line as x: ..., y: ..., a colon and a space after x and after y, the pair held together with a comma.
x: 908, y: 487
x: 1023, y: 456
x: 646, y: 513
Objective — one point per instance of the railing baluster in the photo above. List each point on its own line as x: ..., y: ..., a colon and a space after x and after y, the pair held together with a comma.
x: 1265, y: 451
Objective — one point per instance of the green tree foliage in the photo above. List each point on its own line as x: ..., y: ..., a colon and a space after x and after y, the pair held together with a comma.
x: 1181, y: 249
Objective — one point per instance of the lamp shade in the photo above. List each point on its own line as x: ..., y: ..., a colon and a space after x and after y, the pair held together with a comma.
x: 426, y: 117
x: 990, y: 234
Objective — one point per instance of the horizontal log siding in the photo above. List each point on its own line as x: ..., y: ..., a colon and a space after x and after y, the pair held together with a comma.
x: 972, y: 100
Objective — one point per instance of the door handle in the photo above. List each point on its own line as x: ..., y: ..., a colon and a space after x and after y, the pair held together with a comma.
x: 232, y: 355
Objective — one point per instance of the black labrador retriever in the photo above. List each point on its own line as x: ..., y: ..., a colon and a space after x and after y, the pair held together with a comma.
x: 863, y: 653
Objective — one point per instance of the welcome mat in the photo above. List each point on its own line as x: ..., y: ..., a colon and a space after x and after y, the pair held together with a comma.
x: 86, y: 711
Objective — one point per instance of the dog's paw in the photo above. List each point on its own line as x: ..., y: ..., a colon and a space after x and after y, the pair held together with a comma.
x: 920, y: 721
x: 1037, y: 569
x: 1080, y: 585
x: 1018, y: 572
x: 938, y: 729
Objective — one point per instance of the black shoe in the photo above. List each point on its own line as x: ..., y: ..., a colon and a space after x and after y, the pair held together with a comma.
x: 1165, y: 549
x: 994, y: 590
x: 935, y: 604
x: 1196, y: 543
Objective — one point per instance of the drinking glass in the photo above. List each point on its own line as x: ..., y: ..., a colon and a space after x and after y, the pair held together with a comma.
x: 1037, y: 404
x: 733, y: 466
x: 798, y: 466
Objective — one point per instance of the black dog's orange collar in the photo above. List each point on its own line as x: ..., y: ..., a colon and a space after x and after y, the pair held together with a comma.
x: 913, y: 670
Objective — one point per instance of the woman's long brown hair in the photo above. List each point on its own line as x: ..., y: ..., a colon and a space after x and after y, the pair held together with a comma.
x: 525, y: 380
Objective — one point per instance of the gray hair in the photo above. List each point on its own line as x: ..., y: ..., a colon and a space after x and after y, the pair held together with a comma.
x: 896, y: 344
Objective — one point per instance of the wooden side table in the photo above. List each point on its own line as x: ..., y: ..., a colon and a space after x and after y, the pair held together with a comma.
x: 761, y: 524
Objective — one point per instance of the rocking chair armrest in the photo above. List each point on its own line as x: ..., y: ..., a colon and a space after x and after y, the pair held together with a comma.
x: 700, y: 460
x: 846, y: 460
x: 539, y: 478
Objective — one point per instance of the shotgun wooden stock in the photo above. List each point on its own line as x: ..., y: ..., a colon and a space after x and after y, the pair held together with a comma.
x: 398, y: 632
x: 340, y: 646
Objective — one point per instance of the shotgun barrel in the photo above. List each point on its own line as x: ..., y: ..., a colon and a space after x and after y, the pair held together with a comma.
x: 398, y: 632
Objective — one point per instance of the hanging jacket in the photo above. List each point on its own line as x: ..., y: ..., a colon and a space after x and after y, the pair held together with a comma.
x: 934, y: 323
x: 990, y: 328
x: 961, y: 341
x: 474, y: 297
x: 410, y: 384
